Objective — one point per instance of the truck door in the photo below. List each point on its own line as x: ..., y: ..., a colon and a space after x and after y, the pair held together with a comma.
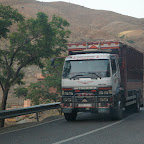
x: 115, y: 74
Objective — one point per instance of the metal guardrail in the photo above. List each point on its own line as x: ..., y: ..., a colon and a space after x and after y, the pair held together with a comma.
x: 28, y: 110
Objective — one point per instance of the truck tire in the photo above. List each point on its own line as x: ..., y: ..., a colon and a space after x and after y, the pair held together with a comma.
x: 117, y: 113
x: 70, y: 116
x: 127, y: 108
x: 136, y: 106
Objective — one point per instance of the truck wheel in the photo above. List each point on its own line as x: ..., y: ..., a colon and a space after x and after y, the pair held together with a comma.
x: 117, y: 113
x: 70, y: 116
x: 136, y: 106
x: 127, y: 108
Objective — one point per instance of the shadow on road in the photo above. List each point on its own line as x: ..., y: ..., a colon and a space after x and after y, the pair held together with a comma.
x: 89, y: 117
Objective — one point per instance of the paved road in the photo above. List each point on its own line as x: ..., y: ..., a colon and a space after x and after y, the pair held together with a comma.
x: 87, y: 129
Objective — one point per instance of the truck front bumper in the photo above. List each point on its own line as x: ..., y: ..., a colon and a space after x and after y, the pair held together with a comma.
x: 88, y: 104
x: 93, y: 110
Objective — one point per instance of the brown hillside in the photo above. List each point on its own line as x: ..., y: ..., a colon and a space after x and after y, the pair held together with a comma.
x: 85, y: 24
x: 14, y: 2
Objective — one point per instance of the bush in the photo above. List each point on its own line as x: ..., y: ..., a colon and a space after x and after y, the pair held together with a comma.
x: 130, y: 41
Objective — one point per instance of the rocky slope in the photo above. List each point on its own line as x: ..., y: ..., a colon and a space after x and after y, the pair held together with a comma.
x: 86, y: 24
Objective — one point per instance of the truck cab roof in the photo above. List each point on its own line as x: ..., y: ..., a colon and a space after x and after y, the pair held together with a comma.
x: 89, y: 56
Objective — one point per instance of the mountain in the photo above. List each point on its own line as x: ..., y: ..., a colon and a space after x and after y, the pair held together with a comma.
x: 87, y: 24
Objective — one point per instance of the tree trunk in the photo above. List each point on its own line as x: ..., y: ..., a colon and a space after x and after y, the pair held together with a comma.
x: 3, y: 105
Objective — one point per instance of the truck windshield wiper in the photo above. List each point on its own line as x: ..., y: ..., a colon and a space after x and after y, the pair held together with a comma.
x: 76, y: 76
x: 94, y: 74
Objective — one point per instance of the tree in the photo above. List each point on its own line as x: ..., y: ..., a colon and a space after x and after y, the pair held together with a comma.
x: 21, y: 92
x: 41, y: 92
x: 32, y: 42
x: 7, y: 17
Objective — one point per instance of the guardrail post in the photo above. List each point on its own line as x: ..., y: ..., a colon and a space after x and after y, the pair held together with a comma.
x: 37, y: 116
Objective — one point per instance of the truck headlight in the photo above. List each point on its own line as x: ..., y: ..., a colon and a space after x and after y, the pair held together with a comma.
x: 70, y: 93
x: 110, y: 91
x: 67, y: 93
x: 106, y: 92
x: 101, y: 92
x: 65, y: 100
x: 103, y: 99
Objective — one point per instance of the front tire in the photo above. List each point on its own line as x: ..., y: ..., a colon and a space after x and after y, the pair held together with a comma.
x: 70, y: 116
x: 117, y: 113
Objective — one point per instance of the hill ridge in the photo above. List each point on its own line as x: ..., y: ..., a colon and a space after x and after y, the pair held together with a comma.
x: 86, y: 24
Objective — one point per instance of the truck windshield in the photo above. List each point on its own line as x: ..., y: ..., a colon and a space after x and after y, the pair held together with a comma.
x: 86, y: 68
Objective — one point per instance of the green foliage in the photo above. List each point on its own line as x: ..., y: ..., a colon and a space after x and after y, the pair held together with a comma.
x: 53, y: 75
x: 40, y: 92
x: 21, y: 92
x: 130, y: 41
x: 34, y: 40
x: 7, y: 17
x: 122, y: 37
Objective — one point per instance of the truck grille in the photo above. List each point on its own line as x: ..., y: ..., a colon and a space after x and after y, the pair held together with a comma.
x: 84, y: 99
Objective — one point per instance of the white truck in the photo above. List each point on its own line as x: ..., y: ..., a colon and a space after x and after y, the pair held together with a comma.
x: 101, y: 77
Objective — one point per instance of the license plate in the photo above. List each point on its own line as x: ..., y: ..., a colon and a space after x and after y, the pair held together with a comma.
x: 84, y: 105
x: 102, y: 110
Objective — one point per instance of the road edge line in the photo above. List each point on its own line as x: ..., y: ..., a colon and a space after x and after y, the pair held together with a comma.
x: 93, y: 131
x: 31, y: 126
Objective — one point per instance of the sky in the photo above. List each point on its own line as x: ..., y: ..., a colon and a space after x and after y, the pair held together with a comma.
x: 134, y: 8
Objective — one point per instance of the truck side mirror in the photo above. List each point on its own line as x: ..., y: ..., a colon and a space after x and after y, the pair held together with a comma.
x: 52, y: 61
